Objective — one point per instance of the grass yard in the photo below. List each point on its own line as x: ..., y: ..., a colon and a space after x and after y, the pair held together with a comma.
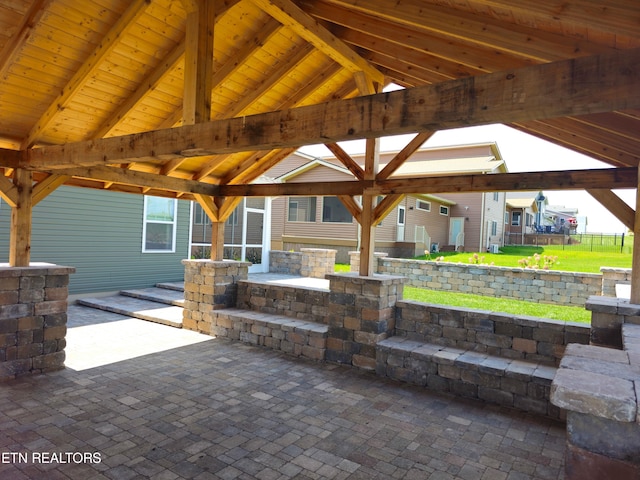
x: 506, y: 305
x: 568, y: 260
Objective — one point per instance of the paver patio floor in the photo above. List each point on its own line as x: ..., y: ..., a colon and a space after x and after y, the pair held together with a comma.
x: 161, y: 403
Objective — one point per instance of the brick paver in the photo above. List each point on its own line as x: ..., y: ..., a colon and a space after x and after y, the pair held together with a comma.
x: 221, y: 410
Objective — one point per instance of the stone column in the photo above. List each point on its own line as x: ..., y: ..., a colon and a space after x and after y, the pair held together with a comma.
x: 354, y: 260
x: 317, y: 262
x: 607, y: 316
x: 33, y: 319
x: 361, y: 313
x: 209, y: 285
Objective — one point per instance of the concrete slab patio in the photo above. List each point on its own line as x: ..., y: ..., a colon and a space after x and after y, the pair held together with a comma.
x: 143, y: 400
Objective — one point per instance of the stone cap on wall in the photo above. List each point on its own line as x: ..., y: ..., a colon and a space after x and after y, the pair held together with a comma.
x: 35, y: 268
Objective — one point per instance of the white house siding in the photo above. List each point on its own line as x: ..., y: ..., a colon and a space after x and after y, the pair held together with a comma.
x: 100, y: 234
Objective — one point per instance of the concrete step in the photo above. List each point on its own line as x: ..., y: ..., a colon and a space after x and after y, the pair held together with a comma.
x: 157, y: 294
x: 152, y: 311
x: 177, y: 286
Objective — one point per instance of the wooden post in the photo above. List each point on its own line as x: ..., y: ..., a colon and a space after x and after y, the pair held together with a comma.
x: 217, y: 241
x: 20, y: 237
x: 635, y: 265
x: 368, y: 232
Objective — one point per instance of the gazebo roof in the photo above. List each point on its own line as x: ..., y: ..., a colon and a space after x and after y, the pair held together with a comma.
x: 75, y: 73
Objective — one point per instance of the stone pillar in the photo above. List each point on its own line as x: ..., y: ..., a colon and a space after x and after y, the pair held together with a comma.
x: 317, y: 262
x: 612, y: 277
x: 607, y: 316
x: 361, y: 313
x: 354, y: 260
x: 209, y: 285
x: 33, y: 319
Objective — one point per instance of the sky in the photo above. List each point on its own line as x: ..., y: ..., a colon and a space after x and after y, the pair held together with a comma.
x: 522, y: 153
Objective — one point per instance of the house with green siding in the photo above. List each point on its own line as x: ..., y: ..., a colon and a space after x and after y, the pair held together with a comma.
x: 114, y: 240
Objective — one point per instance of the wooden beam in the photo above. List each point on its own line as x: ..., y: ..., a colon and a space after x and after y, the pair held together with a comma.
x: 496, y: 182
x: 21, y: 215
x: 10, y: 158
x: 104, y: 48
x: 583, y: 85
x: 368, y: 224
x: 346, y: 160
x: 140, y: 179
x: 352, y: 205
x: 8, y: 191
x: 397, y: 161
x: 209, y: 206
x: 44, y: 187
x: 387, y: 204
x: 615, y: 205
x: 292, y: 16
x: 198, y: 64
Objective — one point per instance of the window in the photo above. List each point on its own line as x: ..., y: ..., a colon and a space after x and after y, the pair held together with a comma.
x: 422, y: 205
x: 302, y: 209
x: 515, y: 218
x: 233, y: 218
x: 506, y: 218
x: 494, y: 228
x: 199, y: 215
x: 444, y: 210
x: 159, y: 226
x: 333, y: 211
x: 496, y: 196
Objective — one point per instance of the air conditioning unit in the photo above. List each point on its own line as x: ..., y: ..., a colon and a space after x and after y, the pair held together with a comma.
x: 494, y: 248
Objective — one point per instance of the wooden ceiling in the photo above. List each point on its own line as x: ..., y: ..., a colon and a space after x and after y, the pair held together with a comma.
x: 73, y: 72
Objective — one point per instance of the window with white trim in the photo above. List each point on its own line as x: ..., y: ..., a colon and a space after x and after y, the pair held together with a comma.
x: 200, y: 217
x: 506, y: 218
x: 494, y: 228
x: 159, y: 225
x: 444, y: 210
x: 423, y: 205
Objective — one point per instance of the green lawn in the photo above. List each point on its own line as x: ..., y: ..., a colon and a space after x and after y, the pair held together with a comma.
x: 505, y: 305
x: 568, y: 260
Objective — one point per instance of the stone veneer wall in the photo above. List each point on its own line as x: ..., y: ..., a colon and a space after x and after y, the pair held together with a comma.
x: 503, y: 335
x: 308, y: 262
x: 33, y: 319
x: 208, y: 286
x: 561, y: 288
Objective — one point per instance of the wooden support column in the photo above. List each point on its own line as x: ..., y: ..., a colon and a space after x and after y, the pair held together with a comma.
x: 21, y: 215
x: 368, y: 231
x: 198, y: 77
x: 635, y: 265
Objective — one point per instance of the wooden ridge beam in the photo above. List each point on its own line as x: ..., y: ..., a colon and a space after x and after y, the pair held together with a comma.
x: 583, y: 85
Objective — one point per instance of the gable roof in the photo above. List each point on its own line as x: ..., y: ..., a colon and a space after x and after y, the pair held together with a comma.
x: 81, y: 71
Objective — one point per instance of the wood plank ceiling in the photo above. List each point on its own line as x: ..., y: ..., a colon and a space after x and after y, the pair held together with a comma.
x: 78, y: 70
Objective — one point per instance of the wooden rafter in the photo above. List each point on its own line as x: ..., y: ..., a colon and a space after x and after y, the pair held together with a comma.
x: 584, y: 85
x: 616, y: 206
x: 346, y: 160
x: 106, y: 46
x: 290, y: 15
x: 398, y: 160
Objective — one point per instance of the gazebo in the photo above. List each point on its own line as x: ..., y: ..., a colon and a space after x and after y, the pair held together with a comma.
x: 195, y: 99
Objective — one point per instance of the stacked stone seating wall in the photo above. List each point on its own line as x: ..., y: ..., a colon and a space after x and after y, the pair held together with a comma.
x: 541, y: 286
x: 503, y: 335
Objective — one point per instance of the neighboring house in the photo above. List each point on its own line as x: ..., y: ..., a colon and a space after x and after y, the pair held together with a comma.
x: 520, y: 217
x: 114, y: 240
x: 471, y: 221
x: 563, y: 219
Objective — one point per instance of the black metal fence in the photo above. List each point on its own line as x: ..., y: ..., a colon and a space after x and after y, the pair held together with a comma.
x: 588, y: 242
